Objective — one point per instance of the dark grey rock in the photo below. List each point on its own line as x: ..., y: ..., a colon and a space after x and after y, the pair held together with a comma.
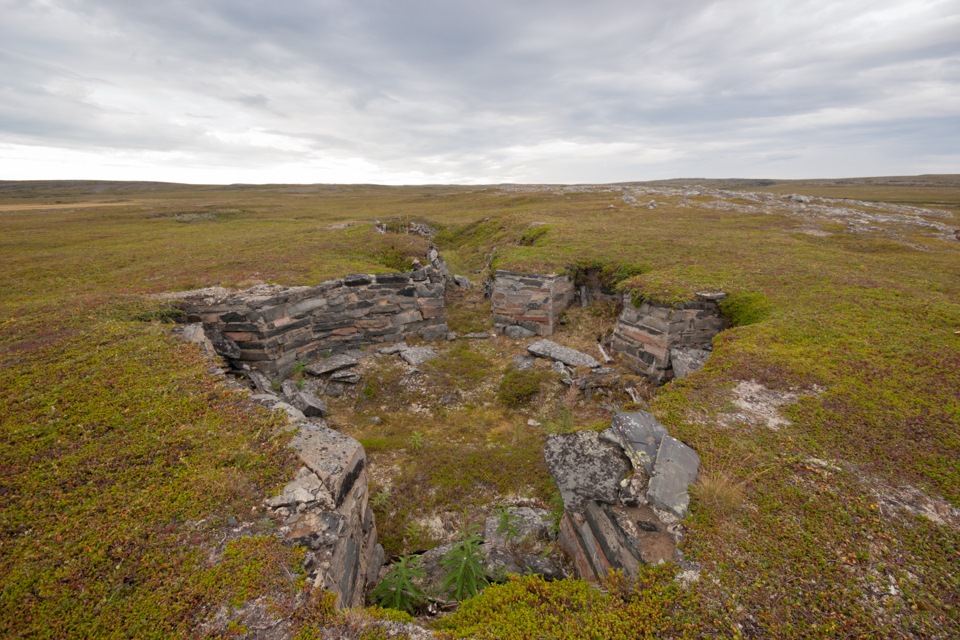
x: 305, y: 401
x: 566, y: 355
x: 585, y: 468
x: 436, y: 332
x: 462, y: 281
x: 500, y: 562
x: 333, y: 363
x: 518, y: 333
x: 260, y: 382
x: 224, y: 345
x: 415, y: 356
x: 675, y: 469
x: 334, y: 389
x: 641, y: 434
x: 686, y: 361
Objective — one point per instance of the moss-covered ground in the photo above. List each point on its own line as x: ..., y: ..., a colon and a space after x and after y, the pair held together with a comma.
x: 127, y: 469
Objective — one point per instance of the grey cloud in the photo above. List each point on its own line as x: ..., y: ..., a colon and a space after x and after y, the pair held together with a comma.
x: 461, y: 88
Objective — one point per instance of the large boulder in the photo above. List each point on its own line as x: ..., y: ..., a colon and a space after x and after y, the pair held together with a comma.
x: 675, y: 469
x: 585, y: 468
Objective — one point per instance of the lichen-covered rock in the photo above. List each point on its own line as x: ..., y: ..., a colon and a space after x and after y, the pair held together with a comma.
x: 585, y: 468
x: 415, y: 356
x: 686, y: 361
x: 675, y: 469
x: 566, y: 355
x: 640, y: 435
x: 336, y: 459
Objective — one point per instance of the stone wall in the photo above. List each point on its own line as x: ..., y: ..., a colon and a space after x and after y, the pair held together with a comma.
x: 650, y: 336
x: 271, y: 328
x: 325, y: 509
x: 525, y: 305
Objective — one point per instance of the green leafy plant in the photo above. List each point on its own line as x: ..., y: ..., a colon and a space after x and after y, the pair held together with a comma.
x: 507, y: 525
x: 464, y: 575
x: 380, y: 499
x: 416, y: 440
x: 299, y: 368
x: 397, y: 589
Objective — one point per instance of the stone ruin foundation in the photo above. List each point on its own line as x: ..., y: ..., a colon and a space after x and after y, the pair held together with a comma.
x: 270, y: 328
x: 663, y: 342
x: 527, y: 305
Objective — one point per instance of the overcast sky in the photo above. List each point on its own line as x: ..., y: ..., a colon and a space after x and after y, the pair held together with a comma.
x: 450, y: 91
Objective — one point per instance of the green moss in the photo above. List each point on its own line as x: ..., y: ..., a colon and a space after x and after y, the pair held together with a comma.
x: 745, y: 308
x: 533, y: 234
x: 517, y: 387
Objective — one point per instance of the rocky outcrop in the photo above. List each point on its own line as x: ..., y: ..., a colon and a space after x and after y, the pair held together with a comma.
x: 624, y: 492
x: 325, y: 509
x: 648, y: 335
x: 528, y: 305
x: 270, y: 328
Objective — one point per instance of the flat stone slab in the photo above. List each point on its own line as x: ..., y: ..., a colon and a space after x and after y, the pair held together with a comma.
x: 585, y: 468
x: 336, y: 459
x: 566, y: 355
x: 686, y: 361
x: 641, y: 434
x: 333, y: 363
x: 393, y: 348
x: 674, y: 470
x: 415, y: 356
x: 349, y: 377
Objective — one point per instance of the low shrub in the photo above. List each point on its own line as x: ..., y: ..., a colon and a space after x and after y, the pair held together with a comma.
x: 519, y: 387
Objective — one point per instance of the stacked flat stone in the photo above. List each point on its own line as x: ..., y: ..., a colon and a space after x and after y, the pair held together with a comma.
x: 271, y: 328
x: 646, y: 335
x: 528, y: 305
